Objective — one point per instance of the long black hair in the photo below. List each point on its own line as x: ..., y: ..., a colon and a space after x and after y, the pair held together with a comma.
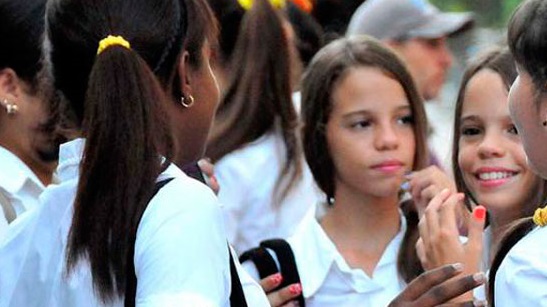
x: 118, y: 98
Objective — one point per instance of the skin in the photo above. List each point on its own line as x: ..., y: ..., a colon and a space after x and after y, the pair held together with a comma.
x: 528, y: 114
x: 24, y: 133
x: 370, y: 125
x: 428, y: 61
x: 200, y: 83
x: 490, y: 143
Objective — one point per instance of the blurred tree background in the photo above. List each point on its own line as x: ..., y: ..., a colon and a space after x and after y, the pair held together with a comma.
x: 489, y: 13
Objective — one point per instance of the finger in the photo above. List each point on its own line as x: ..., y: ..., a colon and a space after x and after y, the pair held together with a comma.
x: 448, y: 215
x: 432, y: 215
x: 465, y: 304
x: 446, y: 291
x: 271, y: 282
x: 428, y: 193
x: 476, y: 229
x: 283, y: 295
x: 429, y: 279
x: 206, y: 167
x: 291, y: 304
x: 424, y: 233
x: 420, y: 251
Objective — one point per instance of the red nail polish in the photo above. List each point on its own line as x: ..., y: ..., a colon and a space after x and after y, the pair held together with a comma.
x: 295, y: 289
x: 277, y: 278
x: 479, y: 213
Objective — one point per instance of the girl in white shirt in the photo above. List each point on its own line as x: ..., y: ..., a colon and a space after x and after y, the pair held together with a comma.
x: 489, y: 167
x: 364, y: 128
x: 135, y: 96
x: 28, y: 148
x: 265, y: 188
x: 519, y: 272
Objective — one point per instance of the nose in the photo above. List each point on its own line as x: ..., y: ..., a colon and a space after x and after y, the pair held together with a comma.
x: 445, y: 55
x: 386, y: 138
x: 491, y: 146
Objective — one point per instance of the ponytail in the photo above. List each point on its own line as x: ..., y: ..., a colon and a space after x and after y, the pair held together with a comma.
x: 408, y: 263
x: 125, y: 129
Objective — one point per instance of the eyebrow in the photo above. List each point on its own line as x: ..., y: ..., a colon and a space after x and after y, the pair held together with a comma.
x: 470, y: 118
x: 366, y: 112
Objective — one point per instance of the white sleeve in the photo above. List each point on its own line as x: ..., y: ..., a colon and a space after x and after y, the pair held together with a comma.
x: 181, y: 253
x: 233, y: 195
x: 522, y: 279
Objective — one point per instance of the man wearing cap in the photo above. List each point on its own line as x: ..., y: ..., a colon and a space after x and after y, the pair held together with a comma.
x: 417, y: 30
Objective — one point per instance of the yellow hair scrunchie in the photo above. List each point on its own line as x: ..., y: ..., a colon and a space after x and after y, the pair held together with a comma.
x: 540, y: 217
x: 112, y: 41
x: 247, y: 4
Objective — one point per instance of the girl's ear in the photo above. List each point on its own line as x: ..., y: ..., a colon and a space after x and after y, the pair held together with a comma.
x: 10, y: 87
x: 185, y: 74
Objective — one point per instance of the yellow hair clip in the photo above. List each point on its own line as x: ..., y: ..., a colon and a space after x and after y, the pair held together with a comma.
x: 540, y: 217
x: 247, y: 4
x: 112, y: 41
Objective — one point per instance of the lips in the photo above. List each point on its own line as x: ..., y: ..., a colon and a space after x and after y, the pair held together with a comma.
x: 388, y: 166
x: 491, y: 177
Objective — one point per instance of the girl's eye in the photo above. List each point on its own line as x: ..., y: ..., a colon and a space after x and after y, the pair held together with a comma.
x: 470, y: 131
x: 513, y: 130
x: 361, y: 124
x: 406, y: 120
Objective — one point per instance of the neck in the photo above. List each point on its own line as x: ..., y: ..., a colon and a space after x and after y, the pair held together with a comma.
x: 357, y: 219
x: 44, y: 171
x: 499, y: 223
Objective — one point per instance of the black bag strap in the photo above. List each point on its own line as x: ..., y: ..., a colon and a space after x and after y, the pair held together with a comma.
x: 131, y: 278
x: 237, y: 297
x: 266, y: 266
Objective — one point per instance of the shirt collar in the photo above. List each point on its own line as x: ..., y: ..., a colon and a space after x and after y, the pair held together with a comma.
x: 70, y: 155
x: 311, y: 243
x: 15, y: 173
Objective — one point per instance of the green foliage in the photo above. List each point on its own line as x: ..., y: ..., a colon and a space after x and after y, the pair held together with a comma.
x: 489, y: 13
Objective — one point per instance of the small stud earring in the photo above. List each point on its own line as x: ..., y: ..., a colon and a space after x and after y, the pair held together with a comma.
x: 11, y: 108
x: 187, y: 104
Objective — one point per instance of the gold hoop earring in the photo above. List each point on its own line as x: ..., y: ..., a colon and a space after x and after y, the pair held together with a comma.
x: 186, y: 104
x: 11, y: 108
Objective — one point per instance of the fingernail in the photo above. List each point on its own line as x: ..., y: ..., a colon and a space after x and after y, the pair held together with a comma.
x: 405, y: 186
x: 295, y: 289
x: 479, y: 277
x: 478, y: 303
x: 408, y: 174
x: 277, y: 278
x: 458, y: 267
x: 479, y: 213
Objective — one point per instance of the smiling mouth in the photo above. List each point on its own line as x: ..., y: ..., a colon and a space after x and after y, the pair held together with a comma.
x: 495, y: 175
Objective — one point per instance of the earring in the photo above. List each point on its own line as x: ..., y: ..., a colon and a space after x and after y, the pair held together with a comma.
x: 187, y: 104
x: 11, y: 108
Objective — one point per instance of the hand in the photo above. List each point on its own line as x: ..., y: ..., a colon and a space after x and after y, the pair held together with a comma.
x: 439, y: 241
x: 426, y: 183
x: 208, y: 170
x: 282, y: 297
x: 436, y: 287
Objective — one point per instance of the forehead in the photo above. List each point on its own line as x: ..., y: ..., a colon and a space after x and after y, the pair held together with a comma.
x: 367, y: 88
x: 485, y: 93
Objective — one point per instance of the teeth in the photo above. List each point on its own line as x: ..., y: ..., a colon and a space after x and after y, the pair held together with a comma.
x: 495, y: 175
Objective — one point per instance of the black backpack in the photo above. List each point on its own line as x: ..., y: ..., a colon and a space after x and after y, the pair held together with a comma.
x: 266, y: 265
x: 237, y: 297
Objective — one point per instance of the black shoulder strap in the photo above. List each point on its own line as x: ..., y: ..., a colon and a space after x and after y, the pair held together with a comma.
x: 131, y: 279
x: 266, y: 265
x: 237, y: 297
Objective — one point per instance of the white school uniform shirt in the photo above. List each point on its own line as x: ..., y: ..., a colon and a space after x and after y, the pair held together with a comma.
x: 247, y: 179
x: 521, y: 279
x: 327, y: 279
x: 19, y: 184
x: 181, y: 255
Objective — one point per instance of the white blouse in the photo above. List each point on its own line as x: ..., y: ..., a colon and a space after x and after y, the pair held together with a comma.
x: 521, y: 279
x: 247, y: 179
x: 327, y: 279
x: 181, y: 256
x: 19, y: 184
